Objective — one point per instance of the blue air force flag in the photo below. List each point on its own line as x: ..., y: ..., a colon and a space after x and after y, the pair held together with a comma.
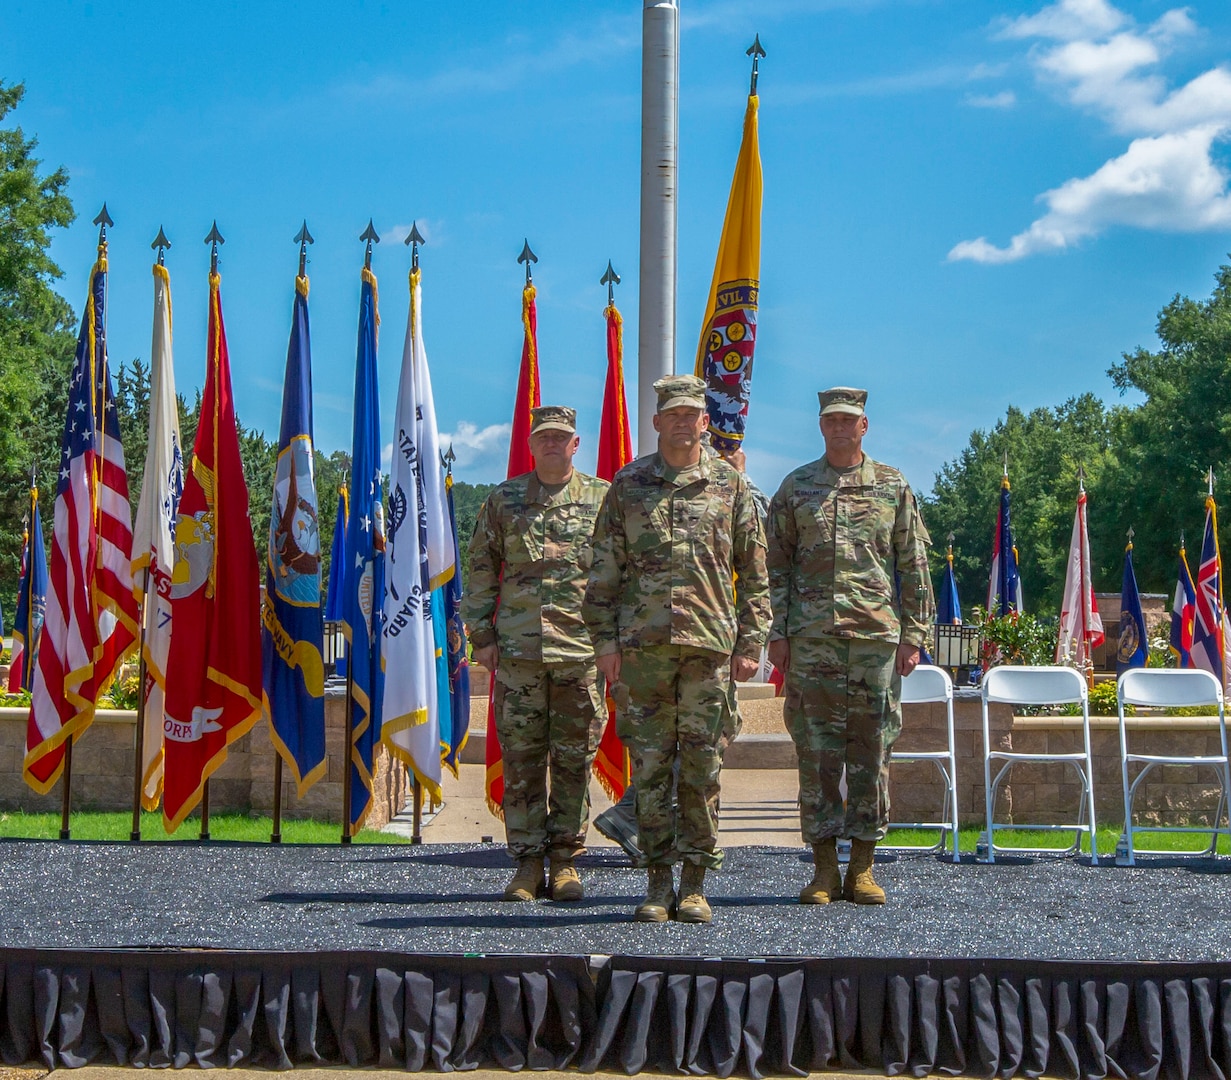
x: 365, y: 563
x: 453, y: 730
x: 420, y: 560
x: 292, y: 635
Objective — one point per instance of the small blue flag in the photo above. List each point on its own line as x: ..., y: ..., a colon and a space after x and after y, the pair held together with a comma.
x: 1133, y: 648
x: 1183, y: 614
x: 1004, y: 588
x: 364, y: 559
x: 948, y: 607
x: 454, y: 728
x: 292, y: 634
x: 337, y: 574
x: 31, y: 602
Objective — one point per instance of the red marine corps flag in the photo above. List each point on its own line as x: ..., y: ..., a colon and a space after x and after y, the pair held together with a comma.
x: 91, y: 618
x: 615, y: 450
x: 520, y: 462
x: 214, y: 696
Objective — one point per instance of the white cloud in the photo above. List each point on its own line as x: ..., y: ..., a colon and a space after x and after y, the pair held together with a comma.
x: 482, y: 453
x: 1006, y: 99
x: 1167, y: 178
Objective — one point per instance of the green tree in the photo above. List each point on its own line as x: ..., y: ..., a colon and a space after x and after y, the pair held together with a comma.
x: 1045, y: 448
x: 36, y: 332
x: 468, y: 500
x: 1163, y: 447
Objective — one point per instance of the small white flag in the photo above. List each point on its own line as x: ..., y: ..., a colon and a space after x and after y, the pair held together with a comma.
x: 1081, y: 627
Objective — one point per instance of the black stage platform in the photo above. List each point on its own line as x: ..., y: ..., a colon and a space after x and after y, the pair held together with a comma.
x: 229, y: 954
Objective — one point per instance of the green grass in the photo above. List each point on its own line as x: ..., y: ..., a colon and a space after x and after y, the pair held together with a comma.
x: 86, y: 825
x: 1106, y: 839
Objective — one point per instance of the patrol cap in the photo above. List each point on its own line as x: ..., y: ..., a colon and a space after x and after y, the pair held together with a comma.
x: 843, y: 399
x: 553, y: 418
x: 680, y: 391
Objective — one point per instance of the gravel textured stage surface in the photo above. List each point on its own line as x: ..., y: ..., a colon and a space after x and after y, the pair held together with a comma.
x: 446, y: 899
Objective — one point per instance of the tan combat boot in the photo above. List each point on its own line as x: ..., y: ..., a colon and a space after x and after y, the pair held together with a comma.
x: 659, y: 902
x: 526, y: 883
x: 859, y: 885
x: 565, y: 882
x: 826, y: 883
x: 693, y: 906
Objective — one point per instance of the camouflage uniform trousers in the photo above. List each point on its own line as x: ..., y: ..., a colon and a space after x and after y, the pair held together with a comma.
x: 843, y: 708
x: 676, y: 702
x: 547, y: 716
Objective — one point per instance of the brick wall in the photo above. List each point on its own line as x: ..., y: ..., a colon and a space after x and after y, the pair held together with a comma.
x: 103, y: 771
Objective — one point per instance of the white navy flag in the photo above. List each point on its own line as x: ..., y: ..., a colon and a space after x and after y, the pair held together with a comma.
x: 419, y: 559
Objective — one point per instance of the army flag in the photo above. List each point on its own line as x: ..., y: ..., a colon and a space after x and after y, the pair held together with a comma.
x: 31, y: 601
x: 948, y: 606
x: 1183, y: 614
x: 162, y: 485
x: 520, y: 461
x: 1081, y: 627
x: 215, y: 695
x: 728, y: 334
x: 365, y: 564
x: 90, y: 622
x: 1004, y: 588
x: 337, y: 573
x: 615, y: 450
x: 1209, y: 620
x: 292, y: 636
x: 1133, y: 647
x: 454, y: 730
x: 419, y: 561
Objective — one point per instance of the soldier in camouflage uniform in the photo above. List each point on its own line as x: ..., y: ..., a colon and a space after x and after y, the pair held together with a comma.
x: 529, y: 561
x: 671, y: 635
x: 841, y: 530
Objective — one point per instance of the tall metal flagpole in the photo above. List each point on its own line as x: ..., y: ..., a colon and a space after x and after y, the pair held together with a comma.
x: 660, y: 41
x: 413, y: 239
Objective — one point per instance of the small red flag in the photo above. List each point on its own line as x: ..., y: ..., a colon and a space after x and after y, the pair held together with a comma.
x: 215, y: 653
x: 615, y: 450
x: 520, y: 461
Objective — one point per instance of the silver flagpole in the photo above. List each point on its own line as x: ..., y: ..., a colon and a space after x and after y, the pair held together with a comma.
x: 660, y: 37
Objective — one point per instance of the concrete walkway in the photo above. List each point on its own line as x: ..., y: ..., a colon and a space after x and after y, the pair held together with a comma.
x: 758, y: 807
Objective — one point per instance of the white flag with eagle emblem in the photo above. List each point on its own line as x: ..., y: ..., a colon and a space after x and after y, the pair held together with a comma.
x: 419, y: 558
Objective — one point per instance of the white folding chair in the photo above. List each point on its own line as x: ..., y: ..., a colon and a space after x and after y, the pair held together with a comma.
x: 1038, y: 686
x: 1167, y: 688
x: 929, y: 684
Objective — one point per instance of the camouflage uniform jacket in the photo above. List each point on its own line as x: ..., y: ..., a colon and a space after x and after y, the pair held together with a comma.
x: 667, y: 547
x: 541, y: 544
x: 836, y: 538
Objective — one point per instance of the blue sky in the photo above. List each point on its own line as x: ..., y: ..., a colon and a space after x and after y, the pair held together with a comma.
x: 967, y: 204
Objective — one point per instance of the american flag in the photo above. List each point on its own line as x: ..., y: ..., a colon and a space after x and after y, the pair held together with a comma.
x: 1209, y: 625
x: 91, y: 620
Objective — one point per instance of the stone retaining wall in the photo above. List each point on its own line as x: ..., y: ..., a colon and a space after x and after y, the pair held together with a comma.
x: 103, y: 771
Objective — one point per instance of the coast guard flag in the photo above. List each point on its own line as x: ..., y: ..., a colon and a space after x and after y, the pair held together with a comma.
x: 1081, y: 626
x: 419, y: 561
x: 454, y: 730
x: 292, y: 637
x: 615, y: 450
x: 1209, y: 623
x: 365, y: 563
x: 337, y: 573
x: 90, y: 624
x: 31, y: 601
x: 520, y: 461
x: 1004, y: 588
x: 154, y: 535
x: 728, y: 334
x: 214, y: 693
x: 948, y: 607
x: 1133, y: 648
x: 1183, y: 614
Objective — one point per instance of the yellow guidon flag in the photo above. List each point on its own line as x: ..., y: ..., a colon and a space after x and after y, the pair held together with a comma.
x: 729, y: 333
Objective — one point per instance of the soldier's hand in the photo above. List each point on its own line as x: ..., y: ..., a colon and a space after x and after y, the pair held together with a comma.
x: 742, y: 668
x: 780, y: 654
x: 488, y: 656
x: 609, y: 665
x: 908, y: 659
